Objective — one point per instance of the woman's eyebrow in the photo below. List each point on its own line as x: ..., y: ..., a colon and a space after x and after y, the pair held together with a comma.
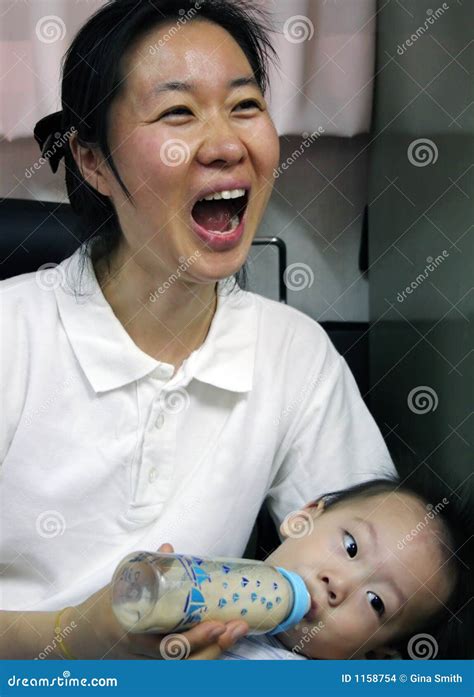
x: 178, y: 86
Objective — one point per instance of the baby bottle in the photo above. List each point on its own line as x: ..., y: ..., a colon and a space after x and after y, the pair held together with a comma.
x: 162, y: 593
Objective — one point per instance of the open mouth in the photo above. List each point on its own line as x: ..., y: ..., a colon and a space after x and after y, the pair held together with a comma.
x: 222, y: 215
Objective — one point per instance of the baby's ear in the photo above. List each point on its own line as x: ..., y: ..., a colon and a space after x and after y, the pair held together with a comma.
x: 383, y: 652
x: 298, y: 520
x: 316, y: 506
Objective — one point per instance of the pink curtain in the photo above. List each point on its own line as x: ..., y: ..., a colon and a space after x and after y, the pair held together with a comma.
x: 326, y: 48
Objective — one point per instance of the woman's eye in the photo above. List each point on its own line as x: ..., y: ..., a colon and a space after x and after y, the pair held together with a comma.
x: 252, y: 102
x: 180, y: 111
x: 376, y: 603
x: 350, y: 544
x: 175, y: 111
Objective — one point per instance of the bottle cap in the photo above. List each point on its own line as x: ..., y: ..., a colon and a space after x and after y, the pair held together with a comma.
x: 301, y: 601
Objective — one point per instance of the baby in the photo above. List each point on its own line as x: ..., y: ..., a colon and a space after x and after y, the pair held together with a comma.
x: 382, y: 566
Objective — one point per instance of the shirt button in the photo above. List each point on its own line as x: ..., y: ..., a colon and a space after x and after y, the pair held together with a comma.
x: 162, y: 372
x: 152, y: 475
x: 160, y: 420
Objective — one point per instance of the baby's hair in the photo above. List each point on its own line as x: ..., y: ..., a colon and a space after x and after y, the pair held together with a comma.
x: 452, y: 626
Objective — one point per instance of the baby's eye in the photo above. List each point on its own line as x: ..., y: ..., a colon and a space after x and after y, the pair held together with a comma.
x: 376, y: 603
x: 350, y: 544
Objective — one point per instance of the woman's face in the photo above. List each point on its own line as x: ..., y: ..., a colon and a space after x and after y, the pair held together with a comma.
x: 172, y: 147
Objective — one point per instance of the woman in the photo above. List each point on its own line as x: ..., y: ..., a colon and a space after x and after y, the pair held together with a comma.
x: 147, y: 402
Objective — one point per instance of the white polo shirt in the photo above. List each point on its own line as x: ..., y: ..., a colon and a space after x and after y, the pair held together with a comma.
x: 105, y: 450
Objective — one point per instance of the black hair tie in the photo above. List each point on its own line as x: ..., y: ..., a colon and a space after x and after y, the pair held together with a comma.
x: 48, y: 134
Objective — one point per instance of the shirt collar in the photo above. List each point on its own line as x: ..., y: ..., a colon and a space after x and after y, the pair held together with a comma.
x: 109, y: 357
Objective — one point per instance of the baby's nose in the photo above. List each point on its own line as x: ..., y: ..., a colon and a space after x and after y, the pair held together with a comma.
x: 337, y: 588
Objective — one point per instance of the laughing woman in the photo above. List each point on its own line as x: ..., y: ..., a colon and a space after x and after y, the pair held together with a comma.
x: 149, y: 397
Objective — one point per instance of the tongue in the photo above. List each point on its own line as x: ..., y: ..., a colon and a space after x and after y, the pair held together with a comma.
x: 214, y: 215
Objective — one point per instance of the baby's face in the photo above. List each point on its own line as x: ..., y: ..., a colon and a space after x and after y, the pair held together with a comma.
x: 367, y: 583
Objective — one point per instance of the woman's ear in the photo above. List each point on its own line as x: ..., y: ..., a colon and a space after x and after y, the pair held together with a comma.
x: 298, y: 520
x: 90, y: 166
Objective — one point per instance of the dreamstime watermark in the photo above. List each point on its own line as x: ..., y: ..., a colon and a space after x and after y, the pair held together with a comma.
x: 44, y: 406
x: 175, y: 647
x: 64, y: 680
x: 174, y: 401
x: 298, y: 276
x: 433, y: 16
x: 63, y: 634
x: 175, y: 152
x: 309, y: 138
x: 185, y: 17
x: 50, y: 524
x: 60, y: 139
x: 308, y: 386
x: 432, y: 265
x: 422, y: 399
x: 185, y: 264
x: 50, y: 276
x: 298, y: 29
x: 50, y: 29
x: 433, y: 511
x: 298, y: 524
x: 422, y: 152
x: 308, y: 634
x: 422, y: 647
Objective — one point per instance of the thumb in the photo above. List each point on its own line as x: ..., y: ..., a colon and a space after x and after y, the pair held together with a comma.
x: 166, y: 547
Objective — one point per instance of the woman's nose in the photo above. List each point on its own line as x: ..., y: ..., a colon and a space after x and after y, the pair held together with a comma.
x: 221, y: 144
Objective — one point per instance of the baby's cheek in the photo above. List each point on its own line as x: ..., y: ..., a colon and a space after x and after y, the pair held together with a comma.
x: 347, y: 633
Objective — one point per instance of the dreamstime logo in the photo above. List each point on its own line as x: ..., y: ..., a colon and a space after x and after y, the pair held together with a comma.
x: 308, y: 634
x: 50, y: 524
x: 50, y: 29
x: 422, y: 647
x: 298, y: 524
x: 185, y: 264
x: 433, y: 16
x: 60, y: 139
x: 298, y: 277
x: 185, y: 17
x: 422, y: 399
x: 49, y: 276
x: 431, y: 515
x: 175, y: 152
x: 316, y: 380
x: 432, y: 265
x: 44, y: 406
x: 174, y: 401
x: 309, y: 138
x: 298, y: 29
x: 175, y: 647
x: 422, y: 152
x: 49, y: 648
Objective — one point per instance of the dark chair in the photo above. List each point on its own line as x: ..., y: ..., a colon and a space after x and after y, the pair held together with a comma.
x: 33, y: 233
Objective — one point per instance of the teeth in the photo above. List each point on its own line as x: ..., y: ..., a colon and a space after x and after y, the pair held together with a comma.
x: 233, y: 193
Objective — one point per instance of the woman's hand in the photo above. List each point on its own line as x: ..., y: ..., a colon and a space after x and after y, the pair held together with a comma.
x: 99, y: 635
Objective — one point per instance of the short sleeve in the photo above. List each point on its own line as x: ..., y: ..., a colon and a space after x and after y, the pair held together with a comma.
x: 13, y: 366
x: 333, y: 442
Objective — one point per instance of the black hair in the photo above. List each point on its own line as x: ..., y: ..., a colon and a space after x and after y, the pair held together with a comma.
x: 449, y: 632
x: 93, y: 77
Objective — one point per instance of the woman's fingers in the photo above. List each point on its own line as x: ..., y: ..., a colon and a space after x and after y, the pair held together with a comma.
x: 235, y: 631
x: 205, y: 641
